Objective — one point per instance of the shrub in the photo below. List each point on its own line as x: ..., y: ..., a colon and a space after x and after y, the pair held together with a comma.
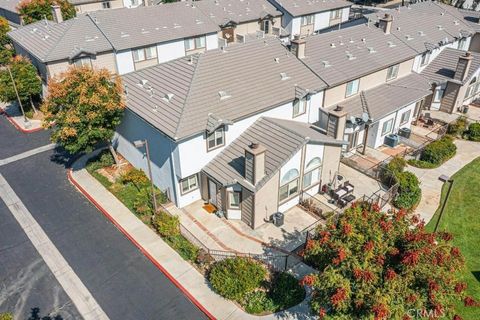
x: 286, y: 291
x: 389, y: 172
x: 439, y: 151
x: 185, y: 249
x: 257, y: 302
x: 421, y: 164
x: 143, y: 202
x: 6, y: 316
x: 409, y: 192
x: 233, y: 278
x: 473, y: 132
x: 135, y: 176
x: 166, y: 225
x: 458, y: 127
x: 103, y: 159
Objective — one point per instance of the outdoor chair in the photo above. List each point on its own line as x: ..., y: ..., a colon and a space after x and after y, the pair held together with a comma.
x: 348, y: 186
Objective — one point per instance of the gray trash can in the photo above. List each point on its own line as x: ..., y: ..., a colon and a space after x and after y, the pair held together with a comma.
x: 465, y: 109
x: 278, y: 219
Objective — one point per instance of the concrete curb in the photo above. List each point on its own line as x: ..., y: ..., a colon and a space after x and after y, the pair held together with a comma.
x: 144, y: 252
x: 16, y: 125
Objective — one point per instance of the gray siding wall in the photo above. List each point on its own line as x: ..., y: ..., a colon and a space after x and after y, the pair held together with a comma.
x: 449, y: 97
x: 247, y: 207
x: 133, y: 128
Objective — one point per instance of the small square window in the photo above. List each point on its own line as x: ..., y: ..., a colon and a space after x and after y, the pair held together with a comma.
x: 106, y: 5
x: 307, y: 20
x: 189, y: 183
x: 335, y: 14
x: 216, y: 139
x: 387, y: 127
x: 352, y: 88
x: 138, y: 55
x: 405, y: 117
x: 299, y: 107
x: 424, y: 59
x: 151, y: 52
x: 392, y: 72
x: 234, y: 202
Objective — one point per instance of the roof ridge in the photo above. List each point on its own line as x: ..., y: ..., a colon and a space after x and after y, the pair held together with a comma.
x: 60, y: 39
x: 100, y: 29
x: 187, y: 96
x: 273, y: 121
x: 364, y: 102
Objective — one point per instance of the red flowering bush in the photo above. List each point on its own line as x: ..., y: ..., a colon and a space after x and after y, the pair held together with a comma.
x: 374, y: 266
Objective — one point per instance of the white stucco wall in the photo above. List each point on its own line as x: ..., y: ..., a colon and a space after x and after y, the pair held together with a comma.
x: 170, y: 50
x: 212, y: 41
x: 124, y: 60
x: 316, y: 102
x: 322, y: 20
x: 294, y: 27
x: 345, y: 14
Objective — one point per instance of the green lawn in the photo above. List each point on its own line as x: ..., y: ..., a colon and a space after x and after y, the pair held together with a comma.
x: 462, y: 219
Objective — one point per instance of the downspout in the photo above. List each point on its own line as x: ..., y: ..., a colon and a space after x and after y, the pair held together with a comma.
x: 365, y: 137
x: 174, y: 180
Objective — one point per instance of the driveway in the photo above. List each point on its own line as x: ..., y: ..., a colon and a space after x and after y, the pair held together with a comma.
x: 431, y: 186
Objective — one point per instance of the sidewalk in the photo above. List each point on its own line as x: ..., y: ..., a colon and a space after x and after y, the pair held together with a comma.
x: 180, y: 272
x: 15, y: 117
x: 431, y: 186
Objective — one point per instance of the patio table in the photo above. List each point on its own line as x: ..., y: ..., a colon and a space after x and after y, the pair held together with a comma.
x: 340, y: 193
x: 349, y: 198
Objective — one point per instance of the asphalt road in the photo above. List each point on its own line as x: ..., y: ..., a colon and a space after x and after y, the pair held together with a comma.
x: 125, y: 283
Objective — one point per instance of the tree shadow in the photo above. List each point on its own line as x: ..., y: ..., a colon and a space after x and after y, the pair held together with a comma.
x: 35, y: 315
x: 476, y: 274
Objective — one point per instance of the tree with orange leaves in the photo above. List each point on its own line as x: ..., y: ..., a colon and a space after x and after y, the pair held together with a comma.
x: 36, y: 10
x: 378, y: 266
x: 83, y: 107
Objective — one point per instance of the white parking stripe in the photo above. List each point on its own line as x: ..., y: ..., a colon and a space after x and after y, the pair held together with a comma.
x: 27, y: 154
x: 71, y: 283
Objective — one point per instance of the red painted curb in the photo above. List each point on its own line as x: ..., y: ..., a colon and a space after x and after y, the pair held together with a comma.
x: 145, y: 252
x: 16, y: 125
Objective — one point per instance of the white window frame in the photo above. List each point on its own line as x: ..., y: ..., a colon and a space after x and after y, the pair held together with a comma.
x: 291, y: 186
x: 438, y: 95
x: 335, y: 14
x: 354, y: 86
x: 266, y: 26
x: 307, y: 20
x: 310, y: 170
x: 392, y: 72
x: 323, y: 120
x: 215, y: 136
x: 231, y: 200
x: 424, y: 59
x: 106, y: 5
x: 299, y: 107
x: 82, y: 62
x: 191, y: 183
x: 195, y: 43
x: 140, y: 54
x: 404, y: 120
x: 462, y: 43
x: 387, y: 127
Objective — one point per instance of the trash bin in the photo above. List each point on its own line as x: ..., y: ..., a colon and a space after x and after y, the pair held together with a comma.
x: 278, y: 219
x: 465, y: 109
x: 404, y: 132
x: 391, y: 140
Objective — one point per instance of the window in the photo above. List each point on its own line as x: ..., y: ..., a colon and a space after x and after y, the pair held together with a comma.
x: 143, y: 54
x: 405, y: 117
x: 424, y: 59
x: 266, y: 26
x: 83, y: 62
x: 215, y: 139
x: 438, y: 95
x: 299, y: 107
x: 387, y: 127
x: 189, y: 183
x: 312, y: 175
x: 323, y: 120
x: 352, y: 88
x: 306, y: 20
x: 288, y: 184
x: 335, y: 14
x: 234, y: 200
x: 194, y: 43
x: 106, y: 5
x: 392, y: 72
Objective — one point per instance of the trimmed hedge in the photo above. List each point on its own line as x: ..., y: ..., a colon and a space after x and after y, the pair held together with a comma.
x: 409, y: 192
x: 233, y: 278
x: 439, y: 151
x: 473, y: 132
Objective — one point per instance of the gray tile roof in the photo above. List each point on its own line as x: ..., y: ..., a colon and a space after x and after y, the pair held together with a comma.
x: 239, y: 11
x: 129, y: 28
x: 302, y: 7
x: 370, y: 48
x: 248, y: 77
x: 50, y: 41
x: 387, y: 98
x: 80, y: 2
x: 282, y: 139
x: 470, y: 16
x: 116, y: 29
x: 443, y: 67
x: 425, y: 25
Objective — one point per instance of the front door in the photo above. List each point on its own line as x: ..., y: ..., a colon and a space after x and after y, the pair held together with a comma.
x: 212, y: 192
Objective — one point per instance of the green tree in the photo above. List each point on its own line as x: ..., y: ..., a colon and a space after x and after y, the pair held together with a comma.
x: 6, y: 316
x: 27, y: 82
x: 36, y: 10
x: 6, y: 51
x: 376, y: 266
x: 83, y: 107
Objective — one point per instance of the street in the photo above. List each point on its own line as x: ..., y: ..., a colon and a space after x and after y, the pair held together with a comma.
x: 124, y: 283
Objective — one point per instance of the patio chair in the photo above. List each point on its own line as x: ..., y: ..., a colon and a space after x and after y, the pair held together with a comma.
x: 348, y: 186
x: 341, y: 203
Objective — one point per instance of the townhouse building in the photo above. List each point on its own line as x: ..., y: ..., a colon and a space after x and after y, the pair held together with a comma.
x: 219, y: 105
x: 241, y: 20
x: 305, y: 17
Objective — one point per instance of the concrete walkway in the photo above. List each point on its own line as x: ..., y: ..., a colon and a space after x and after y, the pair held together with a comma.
x: 15, y: 117
x: 431, y: 186
x: 181, y: 273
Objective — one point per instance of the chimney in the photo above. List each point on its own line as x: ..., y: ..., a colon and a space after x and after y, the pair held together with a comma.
x: 336, y: 124
x: 57, y: 13
x: 385, y: 23
x: 298, y: 47
x: 254, y: 162
x: 463, y: 66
